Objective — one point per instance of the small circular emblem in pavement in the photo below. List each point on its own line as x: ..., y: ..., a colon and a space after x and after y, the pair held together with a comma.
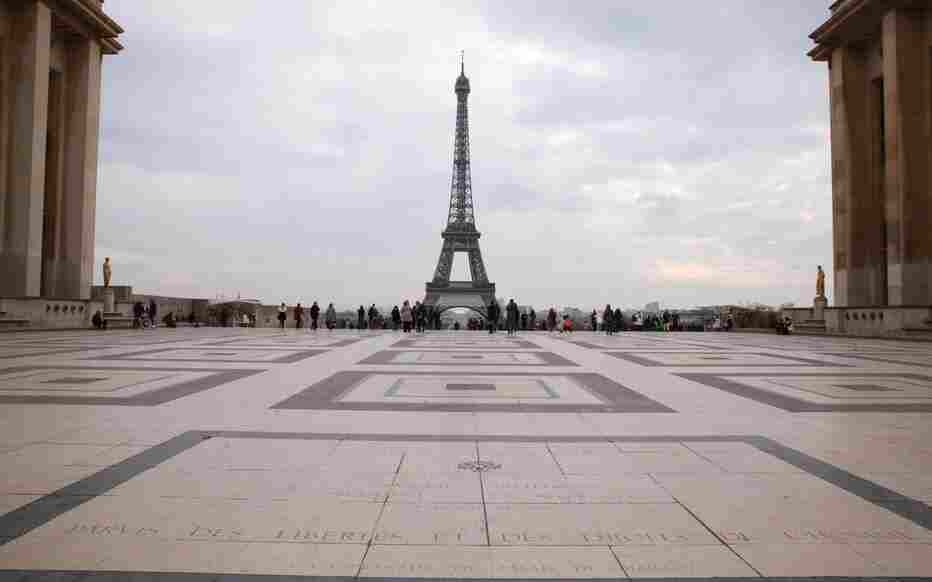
x: 478, y: 466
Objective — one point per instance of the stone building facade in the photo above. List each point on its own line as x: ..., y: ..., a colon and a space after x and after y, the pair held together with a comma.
x: 879, y: 56
x: 51, y: 53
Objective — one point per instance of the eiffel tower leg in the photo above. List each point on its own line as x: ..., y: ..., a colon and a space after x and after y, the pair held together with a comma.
x: 444, y: 263
x: 476, y: 266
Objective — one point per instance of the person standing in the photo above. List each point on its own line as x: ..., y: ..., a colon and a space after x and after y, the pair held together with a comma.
x: 532, y: 320
x: 619, y: 320
x: 373, y: 314
x: 608, y: 320
x: 594, y: 320
x: 138, y: 311
x: 153, y: 312
x: 396, y: 318
x: 330, y: 317
x: 406, y: 317
x: 551, y: 319
x: 315, y: 314
x: 298, y: 316
x: 494, y: 314
x: 567, y: 324
x: 511, y: 316
x: 361, y: 317
x: 419, y: 316
x: 282, y: 314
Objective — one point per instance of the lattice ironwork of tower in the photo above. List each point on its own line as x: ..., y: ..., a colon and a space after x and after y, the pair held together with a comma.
x: 460, y: 234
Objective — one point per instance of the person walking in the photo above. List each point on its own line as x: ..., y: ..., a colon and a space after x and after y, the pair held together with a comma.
x: 551, y: 319
x: 330, y: 317
x: 406, y: 317
x: 282, y: 315
x: 396, y: 318
x: 420, y: 313
x: 594, y: 320
x: 511, y: 317
x: 315, y: 315
x: 361, y: 317
x: 298, y: 316
x: 532, y: 320
x: 373, y: 314
x: 494, y: 314
x: 618, y: 320
x: 153, y: 312
x: 138, y: 311
x: 608, y: 320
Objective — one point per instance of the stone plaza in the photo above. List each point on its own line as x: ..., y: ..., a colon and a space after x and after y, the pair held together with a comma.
x: 159, y: 454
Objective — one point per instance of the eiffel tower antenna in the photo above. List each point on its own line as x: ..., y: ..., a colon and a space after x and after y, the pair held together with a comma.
x: 460, y: 234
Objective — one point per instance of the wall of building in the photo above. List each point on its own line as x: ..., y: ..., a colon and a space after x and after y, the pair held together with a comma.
x: 881, y: 120
x: 50, y: 63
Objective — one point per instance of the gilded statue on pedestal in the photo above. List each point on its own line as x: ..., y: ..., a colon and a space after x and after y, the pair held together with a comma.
x: 108, y: 272
x: 820, y: 283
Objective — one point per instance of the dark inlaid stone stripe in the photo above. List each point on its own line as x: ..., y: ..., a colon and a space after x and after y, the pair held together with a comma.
x: 387, y: 357
x: 153, y: 398
x: 327, y: 394
x: 867, y: 388
x: 470, y: 386
x: 792, y: 404
x: 73, y: 380
x: 644, y: 358
x: 289, y: 356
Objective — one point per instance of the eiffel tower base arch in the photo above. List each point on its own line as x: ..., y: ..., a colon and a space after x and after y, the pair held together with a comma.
x: 443, y: 296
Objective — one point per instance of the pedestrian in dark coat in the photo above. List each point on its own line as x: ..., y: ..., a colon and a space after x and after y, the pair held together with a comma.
x: 494, y: 314
x: 361, y: 317
x: 511, y: 317
x: 315, y: 314
x: 608, y: 320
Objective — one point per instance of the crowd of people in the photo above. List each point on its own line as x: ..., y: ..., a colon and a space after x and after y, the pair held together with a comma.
x: 308, y: 318
x: 418, y: 316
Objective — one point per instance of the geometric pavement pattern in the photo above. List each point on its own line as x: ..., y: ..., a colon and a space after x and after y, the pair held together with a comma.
x: 168, y: 454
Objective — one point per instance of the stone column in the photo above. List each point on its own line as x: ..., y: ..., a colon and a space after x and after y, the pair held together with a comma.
x: 54, y: 154
x: 857, y: 208
x: 5, y: 106
x: 906, y: 68
x: 28, y: 50
x: 79, y: 198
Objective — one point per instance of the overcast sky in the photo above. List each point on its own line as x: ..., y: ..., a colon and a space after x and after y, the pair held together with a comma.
x: 622, y: 152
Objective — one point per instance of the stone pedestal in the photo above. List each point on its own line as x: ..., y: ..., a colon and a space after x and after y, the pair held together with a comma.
x: 109, y: 302
x: 818, y: 308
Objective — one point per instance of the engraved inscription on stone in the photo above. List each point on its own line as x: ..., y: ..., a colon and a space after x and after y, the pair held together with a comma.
x: 478, y: 466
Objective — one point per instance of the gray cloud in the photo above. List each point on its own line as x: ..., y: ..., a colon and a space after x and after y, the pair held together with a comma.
x: 621, y: 152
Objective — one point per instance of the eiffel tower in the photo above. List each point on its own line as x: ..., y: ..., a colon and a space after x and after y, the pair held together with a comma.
x: 460, y: 234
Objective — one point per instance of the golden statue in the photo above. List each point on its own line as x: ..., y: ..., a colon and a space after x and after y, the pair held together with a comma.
x: 820, y: 283
x: 108, y: 272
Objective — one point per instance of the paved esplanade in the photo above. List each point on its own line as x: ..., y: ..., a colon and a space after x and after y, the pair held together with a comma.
x: 463, y: 455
